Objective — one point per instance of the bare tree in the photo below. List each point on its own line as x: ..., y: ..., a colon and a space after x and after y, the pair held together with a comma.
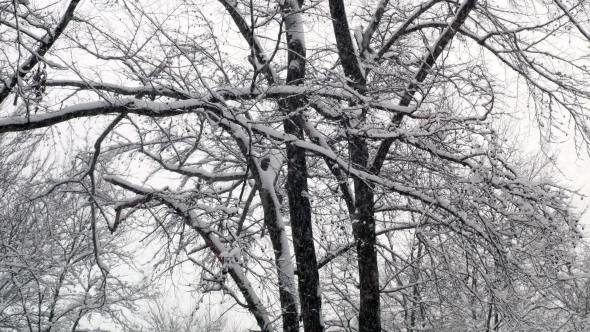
x: 164, y: 318
x: 345, y: 131
x: 49, y: 279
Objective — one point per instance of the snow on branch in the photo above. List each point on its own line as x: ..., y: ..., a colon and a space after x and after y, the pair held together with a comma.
x: 104, y: 107
x: 196, y: 172
x: 274, y: 92
x: 421, y: 9
x: 39, y: 53
x: 223, y: 254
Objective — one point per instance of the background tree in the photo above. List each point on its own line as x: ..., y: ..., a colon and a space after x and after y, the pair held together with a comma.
x: 162, y: 317
x: 49, y: 279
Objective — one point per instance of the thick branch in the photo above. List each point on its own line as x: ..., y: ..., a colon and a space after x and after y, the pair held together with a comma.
x: 49, y: 40
x: 569, y: 14
x: 370, y: 30
x: 401, y: 29
x: 428, y: 62
x: 215, y: 245
x: 348, y: 59
x: 249, y: 36
x: 109, y: 106
x: 276, y: 92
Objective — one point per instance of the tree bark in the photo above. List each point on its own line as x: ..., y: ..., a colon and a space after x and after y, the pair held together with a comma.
x: 286, y: 284
x: 364, y: 224
x: 364, y: 231
x: 297, y: 188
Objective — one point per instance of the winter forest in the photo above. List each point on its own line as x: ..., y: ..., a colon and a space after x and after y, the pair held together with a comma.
x: 293, y: 165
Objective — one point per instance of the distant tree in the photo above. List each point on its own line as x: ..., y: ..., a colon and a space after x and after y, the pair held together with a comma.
x: 161, y: 317
x: 328, y: 164
x: 49, y: 280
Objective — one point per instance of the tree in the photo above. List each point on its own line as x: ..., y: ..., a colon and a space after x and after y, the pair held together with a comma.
x: 161, y: 318
x: 376, y: 144
x: 48, y: 279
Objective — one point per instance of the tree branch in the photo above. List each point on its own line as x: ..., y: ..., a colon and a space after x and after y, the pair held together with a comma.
x: 215, y: 245
x: 348, y: 58
x: 49, y: 40
x: 428, y: 62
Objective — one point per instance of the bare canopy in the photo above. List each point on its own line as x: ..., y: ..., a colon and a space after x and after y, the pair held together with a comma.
x: 330, y: 165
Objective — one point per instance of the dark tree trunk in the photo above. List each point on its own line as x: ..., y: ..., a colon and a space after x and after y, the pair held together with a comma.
x: 299, y: 206
x: 364, y: 229
x: 300, y: 214
x: 297, y: 189
x: 364, y: 224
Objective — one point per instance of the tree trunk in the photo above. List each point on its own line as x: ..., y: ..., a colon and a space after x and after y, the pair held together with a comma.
x: 364, y: 225
x: 278, y: 237
x: 364, y: 228
x: 297, y: 189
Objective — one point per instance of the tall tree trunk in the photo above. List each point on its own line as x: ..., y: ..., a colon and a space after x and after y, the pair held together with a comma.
x: 364, y: 229
x: 364, y: 225
x: 297, y: 188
